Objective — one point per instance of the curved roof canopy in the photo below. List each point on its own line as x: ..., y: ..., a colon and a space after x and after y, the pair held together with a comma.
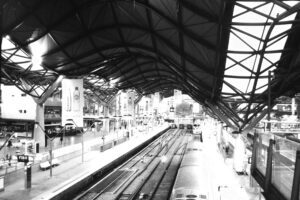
x: 156, y: 46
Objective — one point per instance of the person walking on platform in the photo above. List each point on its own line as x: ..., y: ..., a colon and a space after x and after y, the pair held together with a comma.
x: 227, y: 149
x: 9, y: 143
x: 61, y: 139
x: 201, y: 137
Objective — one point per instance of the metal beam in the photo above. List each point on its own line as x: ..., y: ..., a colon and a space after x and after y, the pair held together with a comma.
x: 228, y: 115
x: 264, y: 48
x: 112, y: 99
x: 138, y: 99
x: 220, y: 115
x: 97, y: 98
x: 172, y: 46
x: 223, y: 40
x: 255, y: 121
x: 50, y: 90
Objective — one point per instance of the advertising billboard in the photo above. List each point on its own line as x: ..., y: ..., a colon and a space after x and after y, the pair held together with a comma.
x: 72, y: 101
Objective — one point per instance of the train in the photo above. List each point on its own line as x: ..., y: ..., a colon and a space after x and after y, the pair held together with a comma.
x: 192, y: 181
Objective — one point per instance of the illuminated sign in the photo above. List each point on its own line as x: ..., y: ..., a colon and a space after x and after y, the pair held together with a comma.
x: 23, y: 158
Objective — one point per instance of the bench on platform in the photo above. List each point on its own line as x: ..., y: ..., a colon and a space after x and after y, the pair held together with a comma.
x: 46, y: 165
x: 55, y: 162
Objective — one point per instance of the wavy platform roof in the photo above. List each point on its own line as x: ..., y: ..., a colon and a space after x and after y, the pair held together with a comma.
x: 223, y: 53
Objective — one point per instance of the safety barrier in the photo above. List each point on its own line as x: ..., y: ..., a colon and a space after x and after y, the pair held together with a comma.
x: 276, y: 166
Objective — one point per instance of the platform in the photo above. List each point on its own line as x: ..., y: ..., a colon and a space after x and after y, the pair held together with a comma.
x: 69, y: 170
x: 231, y: 185
x: 226, y: 182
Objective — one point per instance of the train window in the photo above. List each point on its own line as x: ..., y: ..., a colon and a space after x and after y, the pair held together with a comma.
x: 191, y: 196
x: 202, y: 196
x: 143, y: 196
x: 179, y: 195
x: 189, y: 126
x: 193, y: 149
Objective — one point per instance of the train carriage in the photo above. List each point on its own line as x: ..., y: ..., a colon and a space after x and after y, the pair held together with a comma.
x: 192, y: 180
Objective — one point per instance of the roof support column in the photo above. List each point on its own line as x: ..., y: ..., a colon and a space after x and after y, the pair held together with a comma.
x: 39, y: 135
x: 1, y: 35
x: 105, y: 127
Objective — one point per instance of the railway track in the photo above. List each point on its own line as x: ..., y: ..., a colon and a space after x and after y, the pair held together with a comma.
x: 125, y: 181
x: 148, y: 185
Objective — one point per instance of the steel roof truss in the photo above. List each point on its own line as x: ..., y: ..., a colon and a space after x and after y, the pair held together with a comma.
x: 228, y: 109
x: 220, y: 115
x: 254, y: 10
x: 248, y: 10
x: 229, y: 113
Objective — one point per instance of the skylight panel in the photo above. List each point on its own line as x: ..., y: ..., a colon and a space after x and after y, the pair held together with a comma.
x: 291, y: 3
x: 256, y: 27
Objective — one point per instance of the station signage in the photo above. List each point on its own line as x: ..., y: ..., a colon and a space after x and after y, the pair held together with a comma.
x: 23, y: 158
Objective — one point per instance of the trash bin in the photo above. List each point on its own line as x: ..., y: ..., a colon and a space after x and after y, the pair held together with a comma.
x: 27, y: 171
x: 37, y: 147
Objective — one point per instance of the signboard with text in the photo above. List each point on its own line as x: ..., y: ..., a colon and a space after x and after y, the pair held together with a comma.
x: 23, y: 158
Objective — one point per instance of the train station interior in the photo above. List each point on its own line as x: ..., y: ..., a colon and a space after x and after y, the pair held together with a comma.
x: 150, y: 99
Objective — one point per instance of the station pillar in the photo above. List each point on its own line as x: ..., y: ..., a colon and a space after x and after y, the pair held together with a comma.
x: 39, y: 135
x: 105, y: 127
x: 133, y: 116
x: 239, y: 158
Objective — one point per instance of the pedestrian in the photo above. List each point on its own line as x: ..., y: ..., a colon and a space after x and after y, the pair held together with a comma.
x: 201, y: 137
x: 9, y: 143
x: 227, y: 149
x: 9, y: 160
x: 61, y: 139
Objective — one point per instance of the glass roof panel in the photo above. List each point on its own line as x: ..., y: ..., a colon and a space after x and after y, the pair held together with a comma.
x: 249, y: 30
x: 17, y: 56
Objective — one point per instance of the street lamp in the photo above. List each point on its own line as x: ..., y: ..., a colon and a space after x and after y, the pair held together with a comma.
x: 82, y: 143
x: 50, y: 150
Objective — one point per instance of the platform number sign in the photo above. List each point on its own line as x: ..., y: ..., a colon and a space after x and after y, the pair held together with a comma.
x: 23, y: 158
